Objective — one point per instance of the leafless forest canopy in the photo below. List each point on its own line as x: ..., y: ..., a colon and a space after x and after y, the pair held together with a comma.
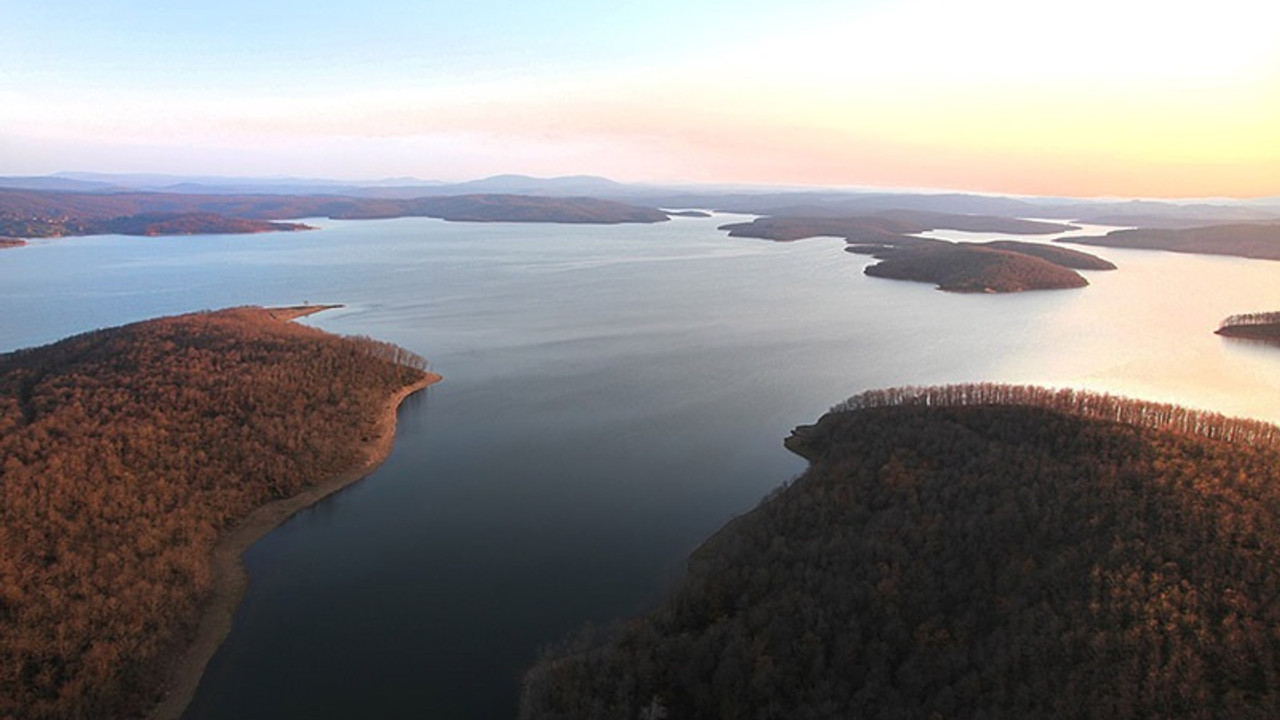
x: 126, y: 453
x: 1256, y: 318
x: 1081, y: 403
x: 1250, y: 320
x: 978, y: 551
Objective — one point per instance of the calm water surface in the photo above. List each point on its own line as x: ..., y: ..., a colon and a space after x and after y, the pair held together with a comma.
x: 612, y: 395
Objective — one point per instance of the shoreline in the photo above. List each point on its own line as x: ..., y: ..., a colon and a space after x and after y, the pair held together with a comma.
x: 1268, y: 333
x: 293, y: 312
x: 230, y: 580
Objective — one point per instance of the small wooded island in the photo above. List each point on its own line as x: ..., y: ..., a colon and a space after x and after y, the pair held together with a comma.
x: 970, y: 551
x: 974, y: 267
x: 1263, y: 326
x: 139, y: 461
x: 999, y: 266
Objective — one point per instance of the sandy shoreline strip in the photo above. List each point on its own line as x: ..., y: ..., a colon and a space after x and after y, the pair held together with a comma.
x: 229, y: 578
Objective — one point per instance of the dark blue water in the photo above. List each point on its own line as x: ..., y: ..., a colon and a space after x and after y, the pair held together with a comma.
x: 612, y: 395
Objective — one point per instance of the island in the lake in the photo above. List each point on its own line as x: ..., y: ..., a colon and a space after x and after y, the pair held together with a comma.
x: 1260, y: 241
x: 1264, y: 326
x: 999, y: 266
x: 967, y: 267
x: 30, y: 213
x: 188, y: 223
x: 969, y: 551
x: 139, y: 462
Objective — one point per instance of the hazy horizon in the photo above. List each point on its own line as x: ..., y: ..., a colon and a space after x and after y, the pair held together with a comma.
x: 1098, y: 99
x: 152, y: 181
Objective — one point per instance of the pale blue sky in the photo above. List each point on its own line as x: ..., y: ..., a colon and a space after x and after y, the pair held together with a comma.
x: 1091, y: 97
x: 273, y: 43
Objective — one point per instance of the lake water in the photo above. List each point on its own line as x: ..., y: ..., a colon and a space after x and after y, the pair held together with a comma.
x: 612, y: 395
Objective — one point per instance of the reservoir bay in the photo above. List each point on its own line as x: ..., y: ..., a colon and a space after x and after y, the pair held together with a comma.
x: 612, y: 395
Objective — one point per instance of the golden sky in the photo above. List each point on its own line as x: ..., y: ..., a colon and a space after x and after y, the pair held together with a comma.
x: 1088, y: 98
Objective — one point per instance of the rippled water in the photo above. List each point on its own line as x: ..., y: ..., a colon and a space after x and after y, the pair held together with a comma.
x: 612, y: 395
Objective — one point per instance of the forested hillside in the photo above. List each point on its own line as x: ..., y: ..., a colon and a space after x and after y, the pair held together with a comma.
x: 126, y: 452
x: 970, y: 552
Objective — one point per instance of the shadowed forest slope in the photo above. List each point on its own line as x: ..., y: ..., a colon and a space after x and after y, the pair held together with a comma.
x: 127, y: 452
x: 973, y: 551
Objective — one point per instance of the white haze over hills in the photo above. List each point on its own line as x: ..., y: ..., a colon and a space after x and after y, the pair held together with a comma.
x: 761, y: 199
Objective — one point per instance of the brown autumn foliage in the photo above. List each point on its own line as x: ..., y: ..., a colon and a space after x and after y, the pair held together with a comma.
x: 1073, y: 259
x: 973, y: 551
x: 125, y: 453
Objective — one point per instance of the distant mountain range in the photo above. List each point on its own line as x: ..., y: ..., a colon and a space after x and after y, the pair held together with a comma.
x: 390, y: 188
x: 762, y: 200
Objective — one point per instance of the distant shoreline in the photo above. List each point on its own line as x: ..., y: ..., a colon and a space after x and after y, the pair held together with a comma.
x: 56, y: 213
x: 230, y: 580
x: 1255, y: 241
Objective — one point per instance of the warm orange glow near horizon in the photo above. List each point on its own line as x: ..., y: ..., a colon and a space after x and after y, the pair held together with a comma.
x: 1099, y: 98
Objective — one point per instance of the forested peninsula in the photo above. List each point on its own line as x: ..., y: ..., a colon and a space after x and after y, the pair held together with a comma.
x: 139, y: 461
x: 970, y: 551
x: 1259, y: 241
x: 797, y: 224
x: 1263, y: 326
x: 892, y: 237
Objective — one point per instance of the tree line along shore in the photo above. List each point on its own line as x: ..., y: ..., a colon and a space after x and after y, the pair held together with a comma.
x: 128, y: 453
x: 978, y: 551
x: 1263, y: 326
x: 974, y: 550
